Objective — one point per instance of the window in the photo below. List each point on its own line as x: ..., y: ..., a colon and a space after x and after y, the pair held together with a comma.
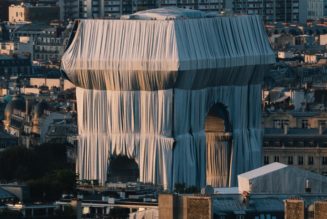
x: 310, y: 160
x: 324, y: 161
x: 266, y: 160
x: 290, y: 160
x: 300, y: 160
x: 322, y: 123
x: 280, y: 123
x: 276, y: 159
x: 305, y: 123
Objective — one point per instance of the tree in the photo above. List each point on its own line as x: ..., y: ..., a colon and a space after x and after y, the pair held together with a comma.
x: 44, y: 168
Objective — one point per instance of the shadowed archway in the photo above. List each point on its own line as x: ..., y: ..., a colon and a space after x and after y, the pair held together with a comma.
x: 123, y: 169
x: 218, y: 146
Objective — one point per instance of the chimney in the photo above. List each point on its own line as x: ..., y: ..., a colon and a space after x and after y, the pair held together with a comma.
x: 26, y: 107
x: 307, y: 186
x: 285, y: 129
x: 320, y: 129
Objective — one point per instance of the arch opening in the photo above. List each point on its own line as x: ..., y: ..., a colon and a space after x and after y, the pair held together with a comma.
x: 123, y: 169
x: 218, y: 146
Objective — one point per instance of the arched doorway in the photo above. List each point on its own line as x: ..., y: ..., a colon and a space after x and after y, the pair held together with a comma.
x: 123, y: 169
x: 218, y: 146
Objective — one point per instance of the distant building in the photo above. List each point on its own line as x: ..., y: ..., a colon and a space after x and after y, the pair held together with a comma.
x: 296, y: 11
x: 49, y: 45
x: 27, y: 12
x: 310, y: 58
x: 278, y: 178
x: 307, y: 40
x: 7, y: 48
x: 271, y: 10
x: 109, y: 8
x: 6, y: 196
x: 62, y: 131
x: 323, y: 39
x: 285, y: 55
x: 62, y: 84
x: 31, y: 30
x: 15, y: 64
x: 266, y: 192
x: 297, y: 139
x: 7, y: 141
x: 69, y: 9
x: 23, y: 47
x: 283, y: 41
x: 34, y: 123
x: 311, y: 10
x: 275, y: 191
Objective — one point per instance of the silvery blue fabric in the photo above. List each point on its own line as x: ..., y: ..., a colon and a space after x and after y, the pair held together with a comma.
x: 144, y: 88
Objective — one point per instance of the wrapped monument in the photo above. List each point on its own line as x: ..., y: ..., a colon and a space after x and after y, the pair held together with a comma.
x: 175, y: 90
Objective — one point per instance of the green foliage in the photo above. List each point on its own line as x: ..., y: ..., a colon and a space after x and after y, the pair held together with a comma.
x: 119, y: 213
x: 67, y: 213
x: 19, y: 163
x: 8, y: 214
x: 51, y: 186
x: 191, y: 190
x: 181, y: 188
x: 45, y: 169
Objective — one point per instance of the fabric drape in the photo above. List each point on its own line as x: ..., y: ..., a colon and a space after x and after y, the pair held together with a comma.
x: 145, y: 87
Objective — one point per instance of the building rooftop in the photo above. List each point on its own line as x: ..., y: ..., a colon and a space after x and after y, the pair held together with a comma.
x: 6, y: 195
x: 294, y: 131
x: 259, y: 203
x: 269, y: 204
x: 11, y: 57
x: 227, y: 204
x: 278, y: 178
x: 166, y: 13
x: 33, y: 27
x: 228, y: 190
x: 263, y: 170
x: 4, y: 135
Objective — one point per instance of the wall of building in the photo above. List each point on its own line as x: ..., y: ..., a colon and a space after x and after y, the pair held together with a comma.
x: 106, y: 8
x: 278, y: 120
x: 17, y: 13
x: 23, y: 13
x: 271, y: 10
x: 185, y: 206
x: 323, y: 39
x: 320, y: 210
x: 51, y: 82
x: 294, y: 209
x: 309, y: 158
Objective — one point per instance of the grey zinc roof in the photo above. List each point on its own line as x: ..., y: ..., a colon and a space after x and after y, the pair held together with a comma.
x: 269, y: 204
x: 227, y: 205
x: 5, y: 195
x: 263, y: 170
